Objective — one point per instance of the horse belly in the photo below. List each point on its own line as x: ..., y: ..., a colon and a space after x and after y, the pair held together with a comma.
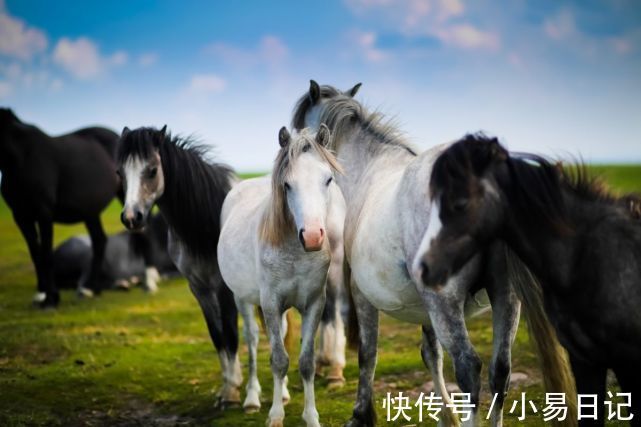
x: 237, y: 260
x: 86, y: 185
x: 388, y: 289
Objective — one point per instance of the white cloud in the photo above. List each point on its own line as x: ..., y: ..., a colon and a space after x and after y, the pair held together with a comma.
x: 468, y: 37
x: 18, y: 40
x: 82, y: 58
x: 270, y: 50
x: 365, y: 42
x: 563, y: 29
x: 441, y: 19
x: 202, y: 84
x: 147, y: 59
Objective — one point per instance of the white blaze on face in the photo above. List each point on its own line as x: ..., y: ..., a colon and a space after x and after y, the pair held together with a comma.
x: 133, y: 169
x: 308, y: 196
x: 433, y: 228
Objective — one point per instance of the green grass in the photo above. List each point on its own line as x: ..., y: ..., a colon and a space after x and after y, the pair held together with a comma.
x: 130, y: 358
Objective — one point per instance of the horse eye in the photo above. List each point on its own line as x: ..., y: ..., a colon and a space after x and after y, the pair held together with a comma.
x: 152, y: 173
x: 460, y: 205
x: 287, y: 187
x: 329, y: 181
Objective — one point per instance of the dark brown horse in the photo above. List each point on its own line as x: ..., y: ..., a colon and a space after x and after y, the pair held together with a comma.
x: 582, y: 243
x: 66, y: 179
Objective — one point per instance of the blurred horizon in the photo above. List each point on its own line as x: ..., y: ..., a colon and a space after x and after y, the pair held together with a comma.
x: 555, y: 78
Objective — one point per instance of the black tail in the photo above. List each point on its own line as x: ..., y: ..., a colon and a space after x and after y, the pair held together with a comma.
x: 557, y: 376
x: 352, y: 320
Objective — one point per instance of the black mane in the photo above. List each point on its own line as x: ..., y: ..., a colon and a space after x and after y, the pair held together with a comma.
x: 194, y: 188
x: 536, y: 184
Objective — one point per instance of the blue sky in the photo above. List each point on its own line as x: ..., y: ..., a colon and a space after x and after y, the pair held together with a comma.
x: 553, y: 77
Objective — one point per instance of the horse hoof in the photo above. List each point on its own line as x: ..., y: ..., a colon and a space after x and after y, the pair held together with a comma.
x: 83, y: 292
x: 335, y: 383
x: 223, y: 405
x: 274, y: 422
x: 251, y: 409
x: 50, y: 302
x: 122, y: 285
x: 353, y: 422
x: 38, y: 298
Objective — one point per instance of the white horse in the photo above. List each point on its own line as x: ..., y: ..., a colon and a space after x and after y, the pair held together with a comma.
x: 275, y: 250
x: 388, y: 210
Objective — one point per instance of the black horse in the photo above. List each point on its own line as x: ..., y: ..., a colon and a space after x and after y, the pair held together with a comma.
x: 124, y: 263
x: 67, y: 179
x: 581, y: 243
x: 173, y: 173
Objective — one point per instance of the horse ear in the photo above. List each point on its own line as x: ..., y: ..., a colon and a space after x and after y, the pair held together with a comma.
x: 283, y: 136
x: 322, y: 136
x: 125, y: 132
x: 353, y: 91
x: 163, y: 131
x: 314, y: 92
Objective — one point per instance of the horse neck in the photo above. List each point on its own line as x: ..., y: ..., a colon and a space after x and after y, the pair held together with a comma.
x: 191, y: 202
x: 365, y: 159
x: 21, y: 139
x: 413, y: 201
x: 547, y: 249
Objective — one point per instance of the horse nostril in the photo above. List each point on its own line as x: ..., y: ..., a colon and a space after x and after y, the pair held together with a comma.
x: 138, y: 216
x: 123, y: 219
x: 322, y: 232
x: 300, y: 236
x: 425, y: 272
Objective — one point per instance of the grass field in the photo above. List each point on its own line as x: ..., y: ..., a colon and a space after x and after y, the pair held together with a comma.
x: 128, y: 358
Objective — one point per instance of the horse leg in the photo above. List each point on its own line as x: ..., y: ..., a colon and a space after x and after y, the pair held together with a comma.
x: 229, y: 317
x: 211, y: 306
x: 364, y: 413
x: 590, y: 379
x: 98, y: 244
x: 46, y: 258
x: 251, y: 333
x: 311, y: 319
x: 284, y: 327
x: 30, y: 234
x: 142, y: 247
x: 279, y: 360
x: 432, y: 355
x: 332, y: 329
x: 448, y: 319
x: 506, y: 308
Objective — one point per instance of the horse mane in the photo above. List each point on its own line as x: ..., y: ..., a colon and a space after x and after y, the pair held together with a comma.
x: 340, y: 112
x: 537, y: 184
x: 194, y: 188
x: 541, y: 183
x: 277, y: 221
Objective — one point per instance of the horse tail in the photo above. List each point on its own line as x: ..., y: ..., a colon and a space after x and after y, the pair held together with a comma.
x: 288, y: 340
x: 555, y: 367
x: 352, y: 320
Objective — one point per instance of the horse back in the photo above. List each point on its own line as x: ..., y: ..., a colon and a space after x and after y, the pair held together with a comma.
x: 65, y: 179
x: 106, y: 138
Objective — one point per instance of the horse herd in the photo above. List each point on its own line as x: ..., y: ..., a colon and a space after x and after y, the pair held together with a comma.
x: 353, y: 216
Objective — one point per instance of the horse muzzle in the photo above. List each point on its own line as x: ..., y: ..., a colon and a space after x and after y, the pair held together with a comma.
x: 312, y: 239
x: 133, y: 219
